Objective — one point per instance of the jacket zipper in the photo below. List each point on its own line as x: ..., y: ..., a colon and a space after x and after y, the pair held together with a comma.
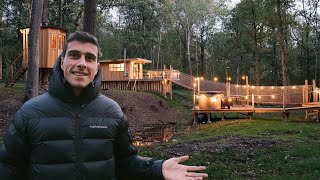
x: 78, y: 144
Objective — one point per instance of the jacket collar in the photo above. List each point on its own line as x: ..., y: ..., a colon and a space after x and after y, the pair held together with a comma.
x: 60, y: 88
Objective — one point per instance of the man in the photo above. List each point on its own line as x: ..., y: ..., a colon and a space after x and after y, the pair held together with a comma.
x: 75, y: 133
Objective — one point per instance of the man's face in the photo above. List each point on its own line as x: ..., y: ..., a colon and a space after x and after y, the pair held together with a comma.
x: 80, y: 64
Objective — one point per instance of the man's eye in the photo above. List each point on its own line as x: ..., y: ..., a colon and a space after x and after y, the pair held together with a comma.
x: 74, y: 55
x: 90, y: 58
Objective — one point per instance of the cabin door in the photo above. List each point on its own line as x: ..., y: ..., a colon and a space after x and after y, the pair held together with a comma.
x: 137, y: 71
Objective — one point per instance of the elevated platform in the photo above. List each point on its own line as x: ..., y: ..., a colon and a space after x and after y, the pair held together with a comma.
x: 249, y: 110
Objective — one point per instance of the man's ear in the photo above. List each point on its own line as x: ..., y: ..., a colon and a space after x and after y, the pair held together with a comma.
x: 61, y: 63
x: 98, y: 67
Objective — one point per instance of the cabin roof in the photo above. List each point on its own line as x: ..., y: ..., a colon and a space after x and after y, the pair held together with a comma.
x: 137, y: 60
x: 44, y: 27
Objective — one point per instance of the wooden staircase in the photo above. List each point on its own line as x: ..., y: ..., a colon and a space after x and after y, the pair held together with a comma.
x: 16, y: 77
x: 16, y: 71
x: 132, y: 85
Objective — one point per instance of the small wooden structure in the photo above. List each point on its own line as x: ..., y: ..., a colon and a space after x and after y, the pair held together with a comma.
x: 123, y: 69
x: 128, y: 74
x: 52, y: 41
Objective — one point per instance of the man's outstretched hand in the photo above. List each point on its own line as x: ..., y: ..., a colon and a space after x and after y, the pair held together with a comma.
x: 172, y: 170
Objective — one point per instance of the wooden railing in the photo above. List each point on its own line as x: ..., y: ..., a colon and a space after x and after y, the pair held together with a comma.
x: 262, y: 94
x: 161, y: 74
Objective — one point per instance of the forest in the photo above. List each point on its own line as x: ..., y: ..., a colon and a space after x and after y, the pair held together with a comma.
x: 273, y: 42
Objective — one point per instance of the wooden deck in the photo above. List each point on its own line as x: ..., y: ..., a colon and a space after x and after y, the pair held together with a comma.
x: 249, y: 110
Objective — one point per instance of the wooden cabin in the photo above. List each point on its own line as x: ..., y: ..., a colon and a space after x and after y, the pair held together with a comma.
x: 123, y: 69
x: 52, y: 41
x: 128, y: 74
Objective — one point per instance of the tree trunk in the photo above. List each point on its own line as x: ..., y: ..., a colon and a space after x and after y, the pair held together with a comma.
x: 44, y: 72
x: 1, y: 60
x: 256, y: 54
x: 317, y: 40
x: 197, y: 59
x: 188, y: 48
x: 33, y: 50
x: 60, y: 13
x: 276, y: 68
x: 45, y: 13
x: 159, y: 49
x: 184, y: 56
x: 282, y: 44
x: 202, y: 56
x: 89, y: 23
x: 1, y: 77
x: 1, y: 57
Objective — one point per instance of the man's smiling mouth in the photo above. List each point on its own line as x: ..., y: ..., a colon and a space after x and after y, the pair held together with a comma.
x: 79, y: 73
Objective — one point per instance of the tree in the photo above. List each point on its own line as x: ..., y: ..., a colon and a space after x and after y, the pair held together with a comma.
x: 282, y: 44
x: 1, y: 15
x: 45, y: 13
x: 33, y: 50
x: 89, y: 23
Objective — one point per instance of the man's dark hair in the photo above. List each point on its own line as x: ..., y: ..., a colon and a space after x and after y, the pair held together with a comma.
x: 83, y: 37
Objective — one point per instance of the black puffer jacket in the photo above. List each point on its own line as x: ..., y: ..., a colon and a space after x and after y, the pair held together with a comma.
x: 59, y: 136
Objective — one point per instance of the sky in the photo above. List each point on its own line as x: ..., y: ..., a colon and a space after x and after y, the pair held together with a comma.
x: 234, y: 2
x: 114, y: 12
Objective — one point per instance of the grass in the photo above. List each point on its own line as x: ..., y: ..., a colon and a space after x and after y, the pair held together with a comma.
x: 294, y: 155
x: 18, y: 89
x: 182, y: 100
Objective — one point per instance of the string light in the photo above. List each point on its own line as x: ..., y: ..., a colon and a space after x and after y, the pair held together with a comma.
x: 213, y: 99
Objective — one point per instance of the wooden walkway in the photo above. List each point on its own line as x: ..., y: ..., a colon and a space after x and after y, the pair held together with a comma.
x: 249, y: 110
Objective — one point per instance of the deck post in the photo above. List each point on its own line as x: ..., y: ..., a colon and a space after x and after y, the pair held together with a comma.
x: 306, y: 90
x: 314, y: 90
x: 208, y: 115
x: 194, y: 92
x: 247, y: 90
x: 283, y: 100
x: 222, y: 116
x: 252, y: 101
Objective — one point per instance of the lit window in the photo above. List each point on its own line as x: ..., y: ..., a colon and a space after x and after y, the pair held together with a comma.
x: 61, y: 41
x: 53, y: 41
x: 116, y: 67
